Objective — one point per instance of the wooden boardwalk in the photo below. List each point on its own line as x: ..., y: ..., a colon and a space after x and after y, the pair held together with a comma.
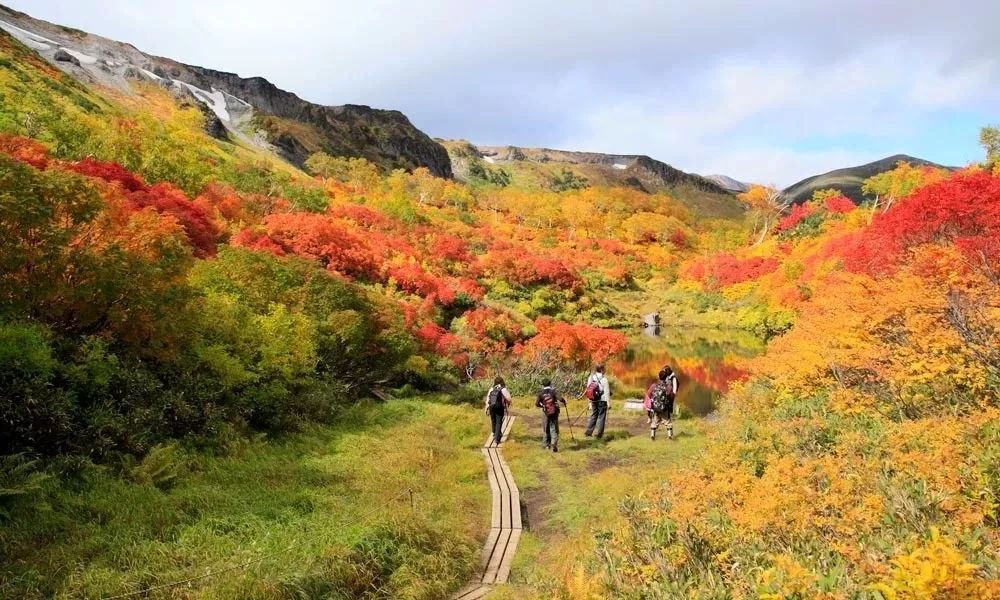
x: 505, y: 525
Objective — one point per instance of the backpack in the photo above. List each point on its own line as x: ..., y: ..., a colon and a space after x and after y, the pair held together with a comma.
x: 549, y: 402
x: 593, y: 391
x: 660, y: 397
x: 496, y: 397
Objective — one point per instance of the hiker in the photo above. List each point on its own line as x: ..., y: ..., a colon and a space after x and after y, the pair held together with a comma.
x: 497, y: 403
x: 598, y: 391
x: 660, y: 402
x: 548, y: 400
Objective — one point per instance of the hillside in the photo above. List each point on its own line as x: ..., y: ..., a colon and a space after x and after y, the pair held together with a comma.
x: 251, y: 110
x: 848, y: 181
x: 728, y: 183
x: 545, y: 169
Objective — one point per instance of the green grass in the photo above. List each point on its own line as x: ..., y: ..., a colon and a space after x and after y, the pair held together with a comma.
x: 572, y: 497
x: 325, y: 513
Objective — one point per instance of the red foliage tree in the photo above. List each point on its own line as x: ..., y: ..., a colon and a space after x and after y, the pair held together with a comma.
x: 839, y: 204
x: 575, y: 343
x: 110, y: 172
x: 324, y: 239
x: 964, y: 210
x: 798, y: 213
x: 725, y: 269
x: 25, y: 150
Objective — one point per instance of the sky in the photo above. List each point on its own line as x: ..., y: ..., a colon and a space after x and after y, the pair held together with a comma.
x: 769, y: 92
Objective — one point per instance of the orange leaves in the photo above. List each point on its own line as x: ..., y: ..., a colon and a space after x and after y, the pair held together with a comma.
x: 580, y: 344
x: 25, y: 150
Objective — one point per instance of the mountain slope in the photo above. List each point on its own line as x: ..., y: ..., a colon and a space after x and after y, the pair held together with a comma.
x: 534, y: 169
x: 252, y: 110
x: 728, y: 183
x: 848, y: 180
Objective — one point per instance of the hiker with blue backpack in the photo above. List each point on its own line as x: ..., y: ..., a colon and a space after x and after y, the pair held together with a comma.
x: 548, y: 400
x: 598, y: 392
x: 660, y: 402
x: 497, y: 402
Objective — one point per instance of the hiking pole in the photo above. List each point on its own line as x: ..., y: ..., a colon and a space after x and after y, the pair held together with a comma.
x: 570, y: 423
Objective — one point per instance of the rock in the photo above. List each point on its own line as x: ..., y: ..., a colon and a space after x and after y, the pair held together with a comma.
x: 63, y: 56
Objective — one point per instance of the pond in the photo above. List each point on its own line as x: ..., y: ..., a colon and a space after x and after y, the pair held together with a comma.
x: 704, y: 361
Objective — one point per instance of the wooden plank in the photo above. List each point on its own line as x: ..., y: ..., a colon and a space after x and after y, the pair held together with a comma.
x: 492, y: 477
x: 514, y: 494
x: 507, y: 426
x: 504, y: 500
x: 491, y: 542
x: 476, y: 593
x: 467, y: 592
x: 508, y: 556
x: 490, y: 575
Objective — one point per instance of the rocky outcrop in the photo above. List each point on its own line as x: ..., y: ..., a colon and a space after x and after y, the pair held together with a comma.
x: 63, y: 56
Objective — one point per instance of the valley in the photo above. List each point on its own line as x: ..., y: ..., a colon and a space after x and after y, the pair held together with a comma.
x: 246, y: 340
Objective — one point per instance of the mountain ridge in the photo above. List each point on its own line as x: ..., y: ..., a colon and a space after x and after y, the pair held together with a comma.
x: 385, y: 137
x: 630, y: 170
x: 848, y: 180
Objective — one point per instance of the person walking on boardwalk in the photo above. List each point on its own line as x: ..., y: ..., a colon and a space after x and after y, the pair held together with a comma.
x: 660, y: 402
x: 497, y: 403
x: 548, y: 400
x: 598, y: 391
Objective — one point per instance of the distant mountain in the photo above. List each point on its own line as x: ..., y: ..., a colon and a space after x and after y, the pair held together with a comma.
x: 546, y: 168
x: 728, y: 183
x: 849, y: 180
x: 252, y: 110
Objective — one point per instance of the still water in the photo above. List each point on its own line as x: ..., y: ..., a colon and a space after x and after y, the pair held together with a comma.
x: 704, y: 360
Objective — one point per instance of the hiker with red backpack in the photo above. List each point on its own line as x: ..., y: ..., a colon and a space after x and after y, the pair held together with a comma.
x: 548, y: 400
x: 660, y: 402
x: 497, y: 402
x: 598, y: 392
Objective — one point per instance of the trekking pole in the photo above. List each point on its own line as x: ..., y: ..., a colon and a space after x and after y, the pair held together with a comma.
x: 570, y: 423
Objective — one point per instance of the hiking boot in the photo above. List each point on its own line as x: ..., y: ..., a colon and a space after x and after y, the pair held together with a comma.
x: 555, y: 448
x: 545, y: 446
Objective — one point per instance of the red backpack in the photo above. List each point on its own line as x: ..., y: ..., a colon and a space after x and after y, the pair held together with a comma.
x: 549, y: 402
x: 593, y: 391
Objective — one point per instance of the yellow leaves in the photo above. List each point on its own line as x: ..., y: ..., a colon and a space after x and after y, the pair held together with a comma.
x: 938, y: 569
x: 786, y: 579
x: 581, y: 586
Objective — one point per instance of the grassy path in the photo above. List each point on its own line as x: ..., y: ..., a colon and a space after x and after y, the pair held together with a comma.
x: 571, y: 497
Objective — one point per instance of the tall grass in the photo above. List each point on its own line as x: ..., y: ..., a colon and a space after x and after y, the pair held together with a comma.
x: 389, y: 503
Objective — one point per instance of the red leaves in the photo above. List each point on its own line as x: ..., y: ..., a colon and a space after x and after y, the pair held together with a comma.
x: 798, y: 213
x: 964, y: 210
x: 517, y: 265
x: 25, y: 150
x: 839, y: 204
x: 110, y: 172
x: 166, y: 199
x: 724, y: 269
x: 580, y: 343
x: 320, y: 238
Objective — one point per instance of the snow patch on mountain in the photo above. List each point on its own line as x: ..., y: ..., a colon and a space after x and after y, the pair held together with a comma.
x: 620, y: 166
x: 27, y: 38
x: 215, y: 99
x: 80, y: 56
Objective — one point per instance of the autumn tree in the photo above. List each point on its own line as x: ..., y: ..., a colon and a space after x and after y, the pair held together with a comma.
x: 989, y: 139
x: 766, y: 204
x: 891, y: 185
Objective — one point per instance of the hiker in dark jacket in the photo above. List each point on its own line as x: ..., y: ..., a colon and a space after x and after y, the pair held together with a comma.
x: 497, y: 403
x: 548, y: 400
x: 660, y: 402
